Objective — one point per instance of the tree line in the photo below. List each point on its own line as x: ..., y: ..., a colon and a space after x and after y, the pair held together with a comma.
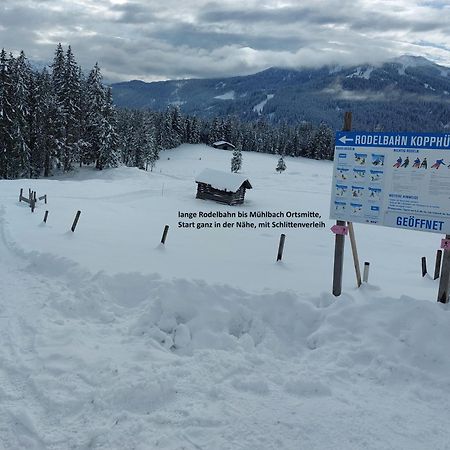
x: 61, y: 118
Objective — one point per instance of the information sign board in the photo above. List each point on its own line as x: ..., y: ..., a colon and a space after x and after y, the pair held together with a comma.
x: 399, y: 180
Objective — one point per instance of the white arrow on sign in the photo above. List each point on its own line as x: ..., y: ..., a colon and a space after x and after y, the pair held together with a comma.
x: 345, y: 139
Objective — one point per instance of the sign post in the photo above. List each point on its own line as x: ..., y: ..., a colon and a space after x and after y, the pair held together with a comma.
x: 445, y: 273
x: 339, y: 240
x: 398, y: 180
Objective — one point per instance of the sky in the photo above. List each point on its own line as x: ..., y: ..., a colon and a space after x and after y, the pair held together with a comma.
x: 174, y: 39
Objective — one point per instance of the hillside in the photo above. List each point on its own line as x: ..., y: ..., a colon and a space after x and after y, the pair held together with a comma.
x: 408, y: 93
x: 113, y: 341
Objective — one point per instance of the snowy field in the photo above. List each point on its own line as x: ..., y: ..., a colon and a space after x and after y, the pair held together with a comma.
x: 109, y: 340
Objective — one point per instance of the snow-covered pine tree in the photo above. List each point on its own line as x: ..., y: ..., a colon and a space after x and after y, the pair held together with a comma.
x: 94, y: 122
x: 6, y: 114
x: 167, y: 136
x: 58, y: 82
x: 124, y: 129
x: 19, y: 159
x: 194, y: 135
x: 281, y: 166
x: 50, y: 123
x: 34, y: 131
x: 177, y: 126
x: 58, y: 72
x: 323, y: 142
x: 236, y: 161
x: 149, y: 145
x: 109, y: 140
x: 72, y: 109
x: 216, y: 132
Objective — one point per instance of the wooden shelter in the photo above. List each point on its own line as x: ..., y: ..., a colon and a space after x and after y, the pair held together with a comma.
x: 222, y: 187
x: 224, y: 145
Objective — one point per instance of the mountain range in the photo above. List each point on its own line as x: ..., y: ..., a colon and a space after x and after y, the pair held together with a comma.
x: 409, y: 93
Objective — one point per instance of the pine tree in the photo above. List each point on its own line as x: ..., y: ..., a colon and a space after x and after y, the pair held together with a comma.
x: 216, y: 131
x: 281, y: 166
x: 71, y: 91
x: 236, y: 161
x: 177, y: 126
x: 6, y: 114
x: 323, y: 142
x: 50, y: 123
x: 19, y: 158
x: 109, y: 140
x: 94, y: 120
x: 149, y: 145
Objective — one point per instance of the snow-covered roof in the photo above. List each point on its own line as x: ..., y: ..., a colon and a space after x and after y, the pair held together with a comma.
x: 223, y: 181
x: 222, y: 143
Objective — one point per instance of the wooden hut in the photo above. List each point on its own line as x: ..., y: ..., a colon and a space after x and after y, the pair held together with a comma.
x: 222, y: 187
x: 224, y: 145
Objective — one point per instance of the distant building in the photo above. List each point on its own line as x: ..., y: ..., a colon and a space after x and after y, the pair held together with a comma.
x: 224, y: 145
x: 222, y: 187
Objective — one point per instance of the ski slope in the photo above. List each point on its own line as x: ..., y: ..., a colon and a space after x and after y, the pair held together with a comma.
x: 111, y: 341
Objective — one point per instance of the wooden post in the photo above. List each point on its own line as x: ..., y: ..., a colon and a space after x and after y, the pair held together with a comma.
x: 33, y: 201
x: 351, y: 232
x: 424, y: 266
x: 339, y: 239
x: 166, y: 230
x: 445, y: 276
x: 366, y: 272
x: 45, y: 216
x: 281, y: 247
x: 20, y: 195
x: 74, y: 225
x: 437, y: 266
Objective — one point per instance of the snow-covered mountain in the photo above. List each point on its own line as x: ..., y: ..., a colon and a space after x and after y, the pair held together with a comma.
x: 406, y: 93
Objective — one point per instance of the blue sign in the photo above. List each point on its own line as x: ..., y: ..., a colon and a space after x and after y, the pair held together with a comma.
x: 399, y: 180
x: 399, y: 140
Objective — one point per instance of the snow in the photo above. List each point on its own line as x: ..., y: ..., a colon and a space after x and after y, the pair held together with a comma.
x: 222, y: 143
x: 177, y: 103
x: 110, y: 340
x: 362, y: 72
x: 224, y: 181
x: 260, y: 106
x: 230, y: 95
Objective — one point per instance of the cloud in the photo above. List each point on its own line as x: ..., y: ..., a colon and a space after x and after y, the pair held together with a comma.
x: 151, y: 39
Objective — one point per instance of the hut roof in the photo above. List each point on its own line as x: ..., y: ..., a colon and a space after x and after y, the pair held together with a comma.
x: 219, y: 143
x: 222, y: 180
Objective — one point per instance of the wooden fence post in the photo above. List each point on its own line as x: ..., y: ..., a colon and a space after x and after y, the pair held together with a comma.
x: 20, y: 195
x: 339, y: 239
x: 424, y: 266
x: 32, y: 201
x: 164, y: 236
x: 45, y: 216
x: 366, y: 272
x: 281, y: 247
x: 437, y: 266
x: 74, y: 225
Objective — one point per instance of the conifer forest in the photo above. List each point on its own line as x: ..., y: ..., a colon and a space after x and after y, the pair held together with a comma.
x: 60, y: 118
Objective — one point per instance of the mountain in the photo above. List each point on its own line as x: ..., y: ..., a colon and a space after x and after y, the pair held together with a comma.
x: 406, y: 93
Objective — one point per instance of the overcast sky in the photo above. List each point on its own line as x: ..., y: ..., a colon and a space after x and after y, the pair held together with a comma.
x: 166, y: 39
